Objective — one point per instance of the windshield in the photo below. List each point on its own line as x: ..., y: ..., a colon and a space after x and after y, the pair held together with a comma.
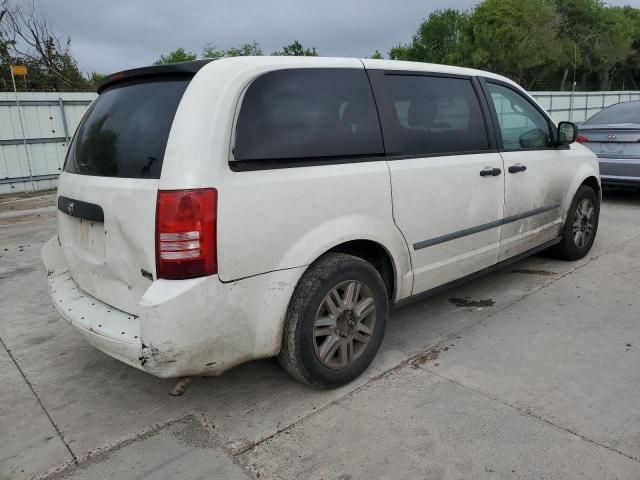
x: 125, y: 131
x: 627, y: 112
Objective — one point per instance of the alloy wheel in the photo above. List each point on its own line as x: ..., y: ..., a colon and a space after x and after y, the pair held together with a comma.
x: 583, y: 223
x: 344, y: 324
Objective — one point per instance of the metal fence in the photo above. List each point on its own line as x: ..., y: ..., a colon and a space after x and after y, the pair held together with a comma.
x: 50, y: 119
x: 578, y: 106
x: 33, y: 162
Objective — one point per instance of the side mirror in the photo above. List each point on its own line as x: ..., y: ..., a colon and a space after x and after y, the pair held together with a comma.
x: 567, y: 133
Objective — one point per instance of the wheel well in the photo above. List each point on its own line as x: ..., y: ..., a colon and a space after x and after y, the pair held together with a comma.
x: 593, y: 183
x: 376, y: 255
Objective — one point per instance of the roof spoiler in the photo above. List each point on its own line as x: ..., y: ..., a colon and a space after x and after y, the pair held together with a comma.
x: 180, y: 68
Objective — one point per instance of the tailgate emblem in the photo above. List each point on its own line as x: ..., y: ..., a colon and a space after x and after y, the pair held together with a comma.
x: 70, y: 208
x: 612, y: 137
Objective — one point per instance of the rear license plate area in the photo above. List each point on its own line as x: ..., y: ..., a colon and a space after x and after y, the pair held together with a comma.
x: 611, y: 147
x: 83, y: 237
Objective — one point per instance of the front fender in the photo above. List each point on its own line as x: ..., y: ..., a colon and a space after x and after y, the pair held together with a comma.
x: 582, y: 173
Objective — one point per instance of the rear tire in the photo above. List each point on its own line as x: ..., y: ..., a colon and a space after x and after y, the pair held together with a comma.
x: 335, y: 322
x: 580, y: 227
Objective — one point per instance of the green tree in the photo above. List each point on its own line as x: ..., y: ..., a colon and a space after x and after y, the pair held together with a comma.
x: 377, y: 55
x: 96, y: 78
x: 536, y: 42
x: 27, y: 38
x: 577, y: 20
x: 596, y: 39
x: 177, y: 55
x: 441, y: 38
x: 242, y: 50
x: 611, y: 46
x: 630, y: 67
x: 516, y: 38
x: 400, y: 52
x: 297, y: 50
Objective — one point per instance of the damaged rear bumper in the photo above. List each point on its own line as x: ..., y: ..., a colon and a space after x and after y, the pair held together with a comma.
x: 112, y: 331
x: 200, y: 326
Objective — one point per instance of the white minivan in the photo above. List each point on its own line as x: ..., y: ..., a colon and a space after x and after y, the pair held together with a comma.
x: 215, y: 212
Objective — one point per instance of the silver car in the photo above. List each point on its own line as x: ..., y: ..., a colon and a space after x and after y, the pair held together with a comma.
x: 613, y: 134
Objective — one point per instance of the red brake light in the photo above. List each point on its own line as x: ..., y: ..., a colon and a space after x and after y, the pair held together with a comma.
x: 581, y: 139
x: 116, y: 76
x: 186, y: 233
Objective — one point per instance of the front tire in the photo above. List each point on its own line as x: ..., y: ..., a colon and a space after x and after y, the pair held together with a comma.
x: 580, y: 227
x: 335, y: 322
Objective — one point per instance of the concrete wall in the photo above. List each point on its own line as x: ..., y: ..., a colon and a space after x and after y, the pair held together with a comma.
x: 51, y: 118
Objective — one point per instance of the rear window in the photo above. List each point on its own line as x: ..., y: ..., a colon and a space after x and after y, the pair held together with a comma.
x: 628, y: 112
x: 299, y: 114
x: 124, y: 133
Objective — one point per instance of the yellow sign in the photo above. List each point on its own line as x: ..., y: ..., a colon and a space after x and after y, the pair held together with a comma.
x: 18, y: 70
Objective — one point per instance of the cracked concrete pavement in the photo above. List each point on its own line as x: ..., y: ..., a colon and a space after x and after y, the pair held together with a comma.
x: 531, y: 372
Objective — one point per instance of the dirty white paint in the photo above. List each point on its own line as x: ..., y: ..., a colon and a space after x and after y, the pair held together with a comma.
x: 105, y: 259
x: 183, y: 327
x: 271, y: 224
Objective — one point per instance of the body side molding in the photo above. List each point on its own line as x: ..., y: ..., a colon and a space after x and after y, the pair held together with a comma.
x: 480, y: 228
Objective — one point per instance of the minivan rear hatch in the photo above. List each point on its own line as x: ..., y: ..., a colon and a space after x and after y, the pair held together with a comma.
x: 107, y: 193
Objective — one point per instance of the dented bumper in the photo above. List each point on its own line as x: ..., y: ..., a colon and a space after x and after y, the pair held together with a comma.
x: 112, y: 331
x: 199, y: 326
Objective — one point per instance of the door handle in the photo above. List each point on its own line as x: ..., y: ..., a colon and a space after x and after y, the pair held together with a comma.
x: 518, y: 167
x: 490, y: 172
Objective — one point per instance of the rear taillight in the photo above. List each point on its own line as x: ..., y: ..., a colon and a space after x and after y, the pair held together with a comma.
x: 581, y: 139
x: 186, y: 233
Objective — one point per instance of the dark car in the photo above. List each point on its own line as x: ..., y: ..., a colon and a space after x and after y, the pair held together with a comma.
x: 613, y: 134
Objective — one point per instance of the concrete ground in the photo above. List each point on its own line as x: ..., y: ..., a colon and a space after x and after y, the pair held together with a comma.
x: 534, y: 372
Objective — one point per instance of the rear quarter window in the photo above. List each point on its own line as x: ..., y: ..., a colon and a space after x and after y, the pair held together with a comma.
x: 304, y: 114
x: 125, y: 131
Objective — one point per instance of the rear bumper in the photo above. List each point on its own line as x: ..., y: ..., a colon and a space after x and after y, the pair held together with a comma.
x: 620, y: 171
x: 185, y: 327
x: 112, y: 331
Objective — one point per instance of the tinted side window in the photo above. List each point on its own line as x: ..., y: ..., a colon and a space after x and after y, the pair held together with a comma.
x: 308, y: 113
x: 521, y: 124
x: 125, y: 131
x: 435, y: 115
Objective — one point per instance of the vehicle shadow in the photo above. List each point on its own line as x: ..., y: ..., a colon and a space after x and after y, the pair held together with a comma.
x: 621, y: 196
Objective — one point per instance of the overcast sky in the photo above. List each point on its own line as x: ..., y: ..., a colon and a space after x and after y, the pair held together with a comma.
x: 107, y: 36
